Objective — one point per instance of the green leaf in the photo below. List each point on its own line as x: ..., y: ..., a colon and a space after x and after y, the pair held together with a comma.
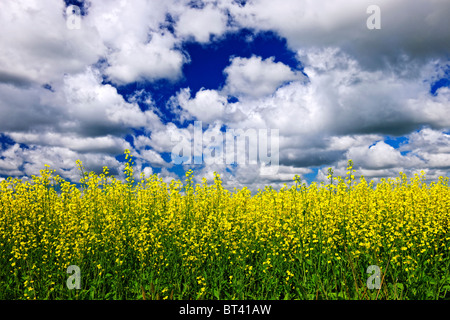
x: 109, y: 295
x: 216, y: 294
x: 400, y: 286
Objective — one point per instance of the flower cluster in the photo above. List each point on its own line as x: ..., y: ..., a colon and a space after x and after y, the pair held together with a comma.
x: 203, y: 241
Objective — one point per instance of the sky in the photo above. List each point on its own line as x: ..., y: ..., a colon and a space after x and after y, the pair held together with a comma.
x: 320, y: 82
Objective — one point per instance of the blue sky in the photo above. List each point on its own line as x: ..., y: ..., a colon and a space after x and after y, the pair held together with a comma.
x: 138, y: 74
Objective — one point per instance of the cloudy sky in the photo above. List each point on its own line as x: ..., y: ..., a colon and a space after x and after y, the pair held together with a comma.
x: 87, y: 84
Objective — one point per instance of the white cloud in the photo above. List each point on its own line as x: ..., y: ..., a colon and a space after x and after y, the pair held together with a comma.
x: 207, y: 105
x: 11, y: 161
x: 255, y: 77
x: 148, y: 171
x: 425, y: 150
x: 201, y: 24
x: 37, y: 47
x: 152, y: 158
x: 433, y: 146
x: 120, y: 20
x: 80, y: 105
x: 91, y: 102
x: 165, y: 139
x: 415, y: 30
x: 342, y: 112
x: 429, y: 140
x: 379, y: 156
x: 348, y: 99
x: 343, y: 99
x: 344, y: 109
x: 140, y: 46
x: 29, y: 161
x: 82, y: 118
x: 151, y: 61
x: 105, y: 144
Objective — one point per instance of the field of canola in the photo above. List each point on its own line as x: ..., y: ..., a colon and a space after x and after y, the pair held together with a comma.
x: 151, y: 240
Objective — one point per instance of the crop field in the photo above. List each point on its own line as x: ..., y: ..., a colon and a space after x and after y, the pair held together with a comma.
x: 344, y: 239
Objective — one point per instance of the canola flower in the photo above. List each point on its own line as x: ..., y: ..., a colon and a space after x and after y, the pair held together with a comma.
x: 151, y: 240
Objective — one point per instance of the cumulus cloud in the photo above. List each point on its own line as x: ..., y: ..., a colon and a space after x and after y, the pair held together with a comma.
x: 82, y: 117
x: 140, y: 46
x: 429, y: 140
x: 36, y: 46
x: 53, y: 95
x: 29, y: 161
x: 424, y: 150
x: 342, y: 98
x: 373, y: 101
x: 256, y: 77
x: 380, y: 155
x: 81, y: 105
x: 432, y: 146
x: 154, y: 60
x: 166, y: 138
x: 343, y: 112
x: 411, y: 31
x: 152, y: 158
x: 97, y: 106
x: 201, y: 24
x: 207, y: 105
x: 105, y: 144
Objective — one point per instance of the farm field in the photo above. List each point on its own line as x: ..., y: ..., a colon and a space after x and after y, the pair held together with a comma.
x: 150, y: 240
